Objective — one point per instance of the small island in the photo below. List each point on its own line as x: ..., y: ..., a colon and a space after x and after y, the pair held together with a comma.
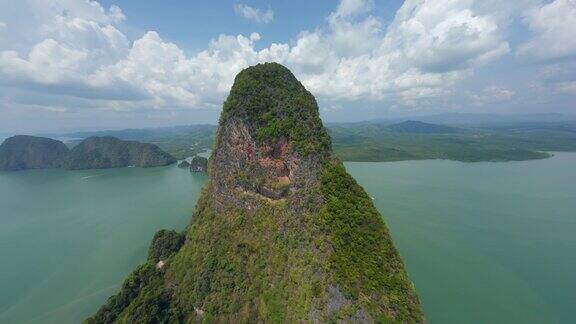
x: 111, y: 152
x: 199, y: 164
x: 24, y: 152
x: 184, y: 164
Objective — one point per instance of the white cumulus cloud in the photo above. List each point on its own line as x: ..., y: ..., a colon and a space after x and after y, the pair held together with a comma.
x: 428, y: 46
x: 76, y: 49
x: 553, y: 25
x: 254, y: 14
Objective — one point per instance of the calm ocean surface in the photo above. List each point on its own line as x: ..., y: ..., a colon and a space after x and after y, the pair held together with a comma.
x: 483, y: 242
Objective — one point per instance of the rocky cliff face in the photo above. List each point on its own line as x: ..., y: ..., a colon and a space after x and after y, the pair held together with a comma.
x: 281, y: 233
x: 271, y: 141
x: 110, y: 152
x: 23, y: 152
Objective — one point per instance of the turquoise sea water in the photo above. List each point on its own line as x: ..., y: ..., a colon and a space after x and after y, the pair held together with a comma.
x: 69, y: 238
x: 483, y: 242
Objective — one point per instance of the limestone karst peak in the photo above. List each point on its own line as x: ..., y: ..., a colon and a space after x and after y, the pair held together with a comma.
x: 281, y: 232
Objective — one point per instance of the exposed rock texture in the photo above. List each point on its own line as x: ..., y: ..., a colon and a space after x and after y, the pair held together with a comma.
x: 110, y: 152
x: 281, y: 233
x: 199, y: 164
x: 23, y: 152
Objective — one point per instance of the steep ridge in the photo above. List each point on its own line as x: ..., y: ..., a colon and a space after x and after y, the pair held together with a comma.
x: 281, y: 233
x: 111, y: 152
x: 22, y: 152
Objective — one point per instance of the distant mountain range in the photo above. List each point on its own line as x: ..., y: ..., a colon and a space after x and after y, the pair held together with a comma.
x: 482, y: 119
x: 141, y: 134
x: 455, y: 136
x: 450, y: 119
x: 418, y: 127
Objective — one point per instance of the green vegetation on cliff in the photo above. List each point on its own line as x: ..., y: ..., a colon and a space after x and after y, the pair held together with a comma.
x: 271, y: 98
x: 143, y: 291
x: 164, y: 244
x: 317, y: 250
x: 143, y: 294
x: 364, y: 258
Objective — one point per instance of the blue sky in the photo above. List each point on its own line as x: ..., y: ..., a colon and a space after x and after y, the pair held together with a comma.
x: 80, y: 64
x: 192, y: 24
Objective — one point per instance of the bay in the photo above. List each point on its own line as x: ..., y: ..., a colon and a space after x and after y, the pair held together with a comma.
x: 482, y: 242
